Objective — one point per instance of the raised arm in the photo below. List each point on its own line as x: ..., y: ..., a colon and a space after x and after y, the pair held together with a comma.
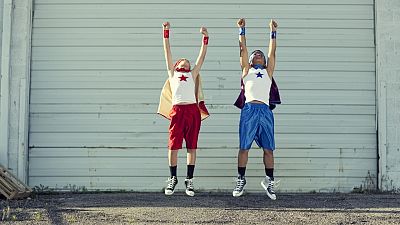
x: 273, y: 25
x: 202, y: 54
x: 167, y: 49
x: 244, y: 54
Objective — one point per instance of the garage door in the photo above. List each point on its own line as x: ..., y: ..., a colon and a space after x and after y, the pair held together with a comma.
x: 98, y: 67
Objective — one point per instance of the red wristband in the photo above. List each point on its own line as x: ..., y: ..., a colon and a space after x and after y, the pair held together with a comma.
x: 166, y: 33
x: 205, y: 40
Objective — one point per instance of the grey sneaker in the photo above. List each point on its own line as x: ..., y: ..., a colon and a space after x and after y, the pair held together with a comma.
x: 268, y: 186
x: 189, y: 187
x: 172, y: 182
x: 239, y: 189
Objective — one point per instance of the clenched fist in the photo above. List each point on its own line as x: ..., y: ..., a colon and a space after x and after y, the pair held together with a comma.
x: 273, y: 25
x: 241, y: 22
x: 204, y: 31
x: 166, y: 25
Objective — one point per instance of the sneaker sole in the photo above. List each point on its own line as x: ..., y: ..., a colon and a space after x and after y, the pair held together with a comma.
x: 238, y: 194
x: 191, y: 194
x: 266, y: 190
x: 168, y: 194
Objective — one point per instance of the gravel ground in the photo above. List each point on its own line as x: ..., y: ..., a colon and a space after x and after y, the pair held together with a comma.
x: 204, y: 208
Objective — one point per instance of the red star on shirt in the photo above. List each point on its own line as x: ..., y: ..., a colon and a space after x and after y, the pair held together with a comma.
x: 183, y: 78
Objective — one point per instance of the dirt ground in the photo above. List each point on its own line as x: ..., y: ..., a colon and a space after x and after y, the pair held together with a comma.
x: 204, y: 208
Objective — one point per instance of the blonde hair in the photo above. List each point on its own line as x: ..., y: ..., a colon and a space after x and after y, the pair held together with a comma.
x: 179, y: 61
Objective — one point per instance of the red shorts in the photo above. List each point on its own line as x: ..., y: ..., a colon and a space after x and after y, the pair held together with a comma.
x: 185, y: 124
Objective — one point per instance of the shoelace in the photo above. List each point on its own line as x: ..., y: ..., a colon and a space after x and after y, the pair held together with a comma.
x: 271, y: 186
x: 239, y: 185
x: 189, y: 184
x: 171, y: 183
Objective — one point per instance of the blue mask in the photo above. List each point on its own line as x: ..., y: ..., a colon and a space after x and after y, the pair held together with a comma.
x: 258, y: 66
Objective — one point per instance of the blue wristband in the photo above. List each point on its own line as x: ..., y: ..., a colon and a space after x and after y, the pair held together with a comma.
x: 242, y: 31
x: 273, y: 34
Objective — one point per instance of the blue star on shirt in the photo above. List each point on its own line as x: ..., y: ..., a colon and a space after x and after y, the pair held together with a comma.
x: 259, y: 74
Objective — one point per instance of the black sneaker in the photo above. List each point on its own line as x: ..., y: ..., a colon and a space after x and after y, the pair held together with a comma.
x: 268, y: 185
x: 239, y: 189
x: 189, y: 187
x: 172, y: 182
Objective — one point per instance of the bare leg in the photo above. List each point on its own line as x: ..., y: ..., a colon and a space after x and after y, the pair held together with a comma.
x: 243, y: 157
x: 268, y: 159
x: 173, y: 157
x: 191, y: 157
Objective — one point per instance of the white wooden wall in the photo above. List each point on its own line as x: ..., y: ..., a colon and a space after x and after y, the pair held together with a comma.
x: 98, y: 68
x: 1, y: 34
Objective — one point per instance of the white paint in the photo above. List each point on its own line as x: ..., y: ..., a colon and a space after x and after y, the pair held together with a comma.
x: 15, y: 84
x: 93, y: 97
x: 24, y: 56
x: 22, y: 133
x: 1, y: 29
x: 382, y: 96
x: 388, y: 84
x: 5, y: 81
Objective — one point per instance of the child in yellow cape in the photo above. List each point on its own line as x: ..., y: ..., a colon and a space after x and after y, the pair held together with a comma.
x: 182, y: 102
x: 165, y: 104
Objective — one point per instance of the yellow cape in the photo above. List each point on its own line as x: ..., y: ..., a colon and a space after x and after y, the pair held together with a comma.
x: 165, y: 105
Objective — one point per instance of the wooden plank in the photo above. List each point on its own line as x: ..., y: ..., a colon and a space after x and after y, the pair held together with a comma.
x: 289, y: 184
x: 217, y: 119
x: 363, y: 12
x: 368, y: 153
x: 127, y: 165
x: 188, y: 37
x: 71, y: 108
x: 211, y: 23
x: 180, y: 32
x: 208, y: 83
x: 200, y: 173
x: 11, y: 187
x: 207, y: 140
x: 226, y: 85
x: 1, y: 36
x: 220, y: 37
x: 252, y: 2
x: 222, y: 66
x: 303, y: 41
x: 286, y: 123
x: 255, y: 36
x: 203, y: 11
x: 126, y: 75
x: 211, y: 80
x: 129, y: 96
x: 318, y: 54
x: 215, y: 129
x: 215, y: 163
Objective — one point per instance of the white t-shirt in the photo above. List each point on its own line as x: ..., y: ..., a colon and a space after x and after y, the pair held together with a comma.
x: 257, y: 85
x: 182, y: 87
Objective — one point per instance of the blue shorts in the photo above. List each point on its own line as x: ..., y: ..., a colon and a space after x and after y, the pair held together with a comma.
x: 256, y: 124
